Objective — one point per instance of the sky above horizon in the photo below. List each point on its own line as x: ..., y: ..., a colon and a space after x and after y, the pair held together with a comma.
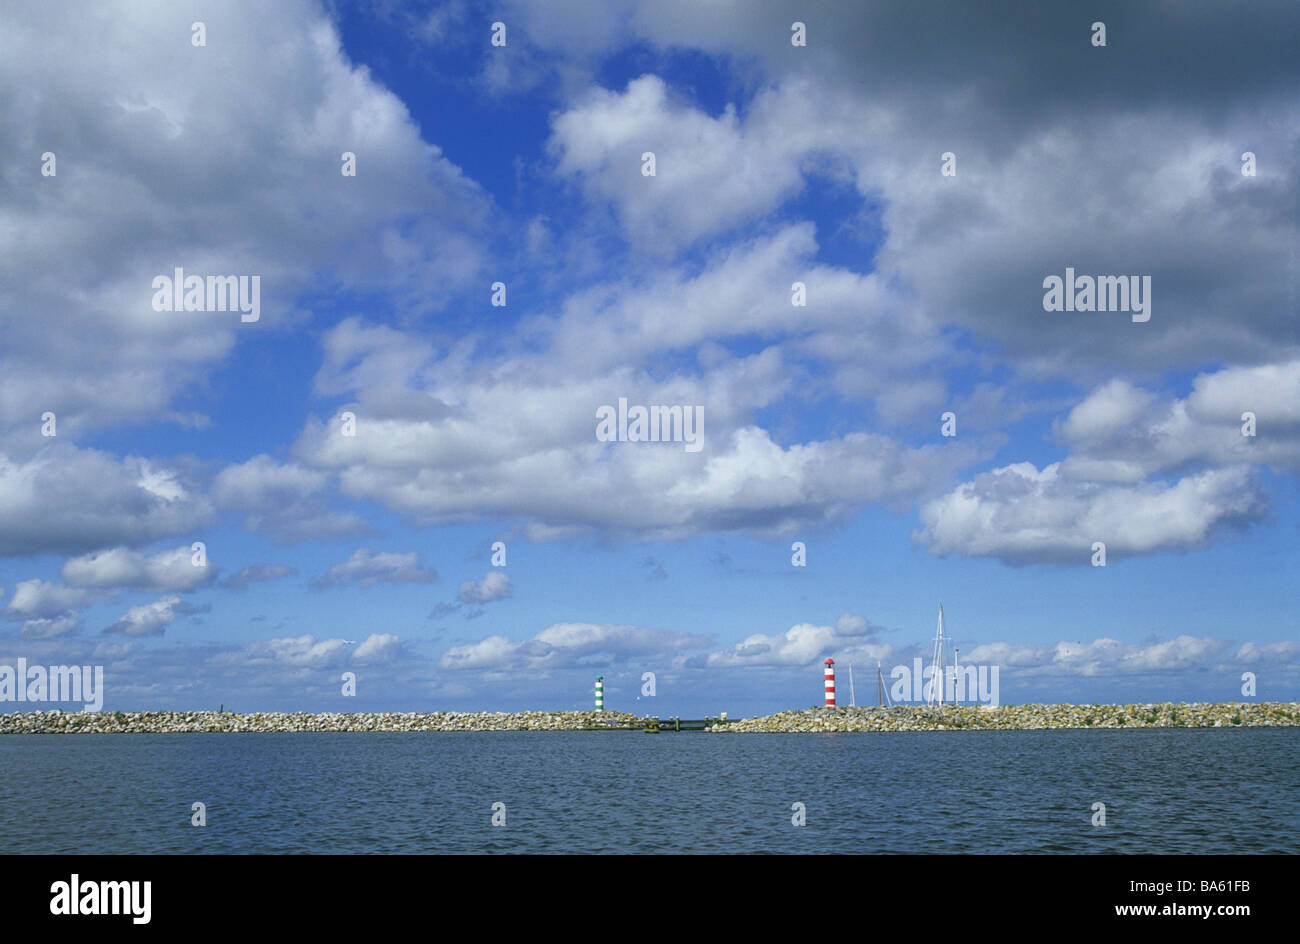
x: 349, y: 459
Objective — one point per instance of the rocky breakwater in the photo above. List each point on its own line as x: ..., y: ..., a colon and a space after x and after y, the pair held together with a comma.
x: 1021, y: 718
x: 212, y: 722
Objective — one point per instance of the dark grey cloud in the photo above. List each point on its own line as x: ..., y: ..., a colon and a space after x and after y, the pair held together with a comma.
x: 1015, y: 60
x: 1116, y: 160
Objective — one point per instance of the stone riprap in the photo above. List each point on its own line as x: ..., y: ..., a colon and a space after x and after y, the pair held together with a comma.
x: 808, y: 721
x: 209, y: 722
x: 1021, y: 718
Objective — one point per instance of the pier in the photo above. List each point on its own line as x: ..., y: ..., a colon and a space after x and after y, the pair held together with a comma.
x: 656, y: 725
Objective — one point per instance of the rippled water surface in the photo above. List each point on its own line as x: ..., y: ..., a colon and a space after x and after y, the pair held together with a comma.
x: 1166, y: 791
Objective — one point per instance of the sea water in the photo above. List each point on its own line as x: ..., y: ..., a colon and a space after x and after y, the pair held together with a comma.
x: 1164, y: 791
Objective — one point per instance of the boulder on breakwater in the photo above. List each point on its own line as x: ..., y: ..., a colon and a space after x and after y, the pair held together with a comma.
x: 808, y: 721
x: 211, y: 722
x: 1021, y: 717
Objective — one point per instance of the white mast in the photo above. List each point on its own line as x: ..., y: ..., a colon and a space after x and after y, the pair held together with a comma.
x: 852, y: 701
x: 937, y: 681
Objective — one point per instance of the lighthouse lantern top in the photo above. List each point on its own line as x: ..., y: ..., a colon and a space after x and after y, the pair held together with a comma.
x: 830, y: 662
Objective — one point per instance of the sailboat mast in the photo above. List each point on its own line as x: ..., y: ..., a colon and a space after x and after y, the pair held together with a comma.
x: 939, y: 678
x: 937, y: 686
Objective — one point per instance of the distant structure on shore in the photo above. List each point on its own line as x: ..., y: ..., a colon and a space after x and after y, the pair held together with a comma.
x: 600, y: 693
x: 936, y: 687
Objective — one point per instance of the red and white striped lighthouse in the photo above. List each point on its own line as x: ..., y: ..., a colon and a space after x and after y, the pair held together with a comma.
x: 830, y: 683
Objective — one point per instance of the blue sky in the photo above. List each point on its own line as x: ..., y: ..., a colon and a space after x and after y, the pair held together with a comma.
x: 522, y: 164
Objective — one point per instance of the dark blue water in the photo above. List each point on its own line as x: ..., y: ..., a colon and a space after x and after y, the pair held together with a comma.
x: 1166, y: 791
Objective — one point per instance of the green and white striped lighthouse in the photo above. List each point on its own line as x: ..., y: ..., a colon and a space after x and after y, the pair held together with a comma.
x: 600, y: 692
